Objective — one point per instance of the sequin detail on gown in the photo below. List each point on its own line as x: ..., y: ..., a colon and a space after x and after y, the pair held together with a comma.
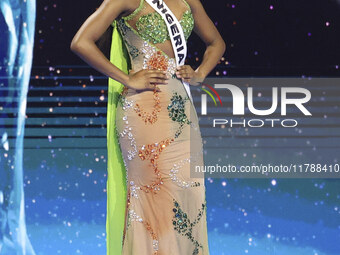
x: 159, y: 137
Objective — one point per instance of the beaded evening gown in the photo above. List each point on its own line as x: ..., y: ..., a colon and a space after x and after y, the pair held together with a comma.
x: 159, y: 138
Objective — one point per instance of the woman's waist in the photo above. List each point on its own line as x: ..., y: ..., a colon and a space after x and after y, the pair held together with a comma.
x: 156, y: 60
x: 174, y: 85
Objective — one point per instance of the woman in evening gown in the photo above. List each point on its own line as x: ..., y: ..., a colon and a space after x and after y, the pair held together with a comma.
x: 156, y: 124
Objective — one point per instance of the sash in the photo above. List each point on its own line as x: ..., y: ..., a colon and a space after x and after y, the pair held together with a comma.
x: 176, y: 33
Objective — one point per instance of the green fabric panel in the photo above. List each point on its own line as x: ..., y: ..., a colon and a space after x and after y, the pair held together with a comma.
x: 116, y: 176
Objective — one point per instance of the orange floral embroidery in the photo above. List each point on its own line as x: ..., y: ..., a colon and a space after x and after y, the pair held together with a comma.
x: 147, y: 117
x: 150, y: 117
x: 152, y: 151
x: 157, y: 61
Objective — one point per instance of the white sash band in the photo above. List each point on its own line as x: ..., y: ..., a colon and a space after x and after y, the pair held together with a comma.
x: 176, y: 33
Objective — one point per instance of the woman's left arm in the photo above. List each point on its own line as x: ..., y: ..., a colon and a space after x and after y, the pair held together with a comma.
x: 215, y: 45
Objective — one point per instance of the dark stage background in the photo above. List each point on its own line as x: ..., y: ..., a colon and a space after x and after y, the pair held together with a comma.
x: 264, y: 38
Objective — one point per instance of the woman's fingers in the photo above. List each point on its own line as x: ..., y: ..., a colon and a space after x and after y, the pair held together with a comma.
x: 184, y: 74
x: 182, y: 67
x: 158, y: 81
x: 148, y: 87
x: 187, y: 75
x: 157, y: 74
x: 151, y: 86
x: 184, y: 71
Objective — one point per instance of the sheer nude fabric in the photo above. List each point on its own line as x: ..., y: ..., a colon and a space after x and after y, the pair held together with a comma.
x: 159, y: 137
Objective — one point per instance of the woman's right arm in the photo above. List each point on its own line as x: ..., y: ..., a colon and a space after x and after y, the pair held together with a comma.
x: 83, y: 44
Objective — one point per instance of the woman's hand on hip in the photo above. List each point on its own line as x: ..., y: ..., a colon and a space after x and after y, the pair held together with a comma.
x: 146, y: 79
x: 187, y: 74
